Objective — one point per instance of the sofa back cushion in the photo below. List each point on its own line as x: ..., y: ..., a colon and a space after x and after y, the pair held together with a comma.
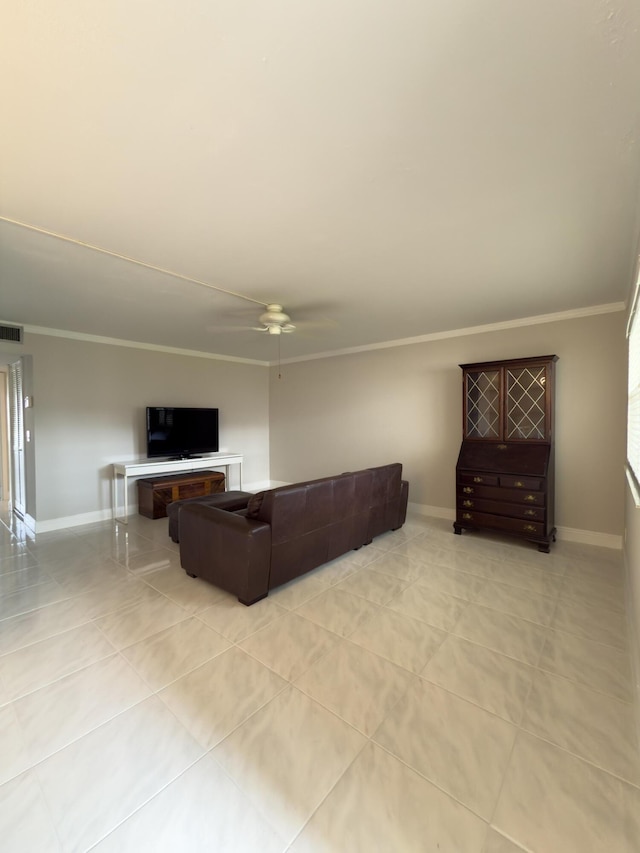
x: 314, y: 522
x: 254, y: 504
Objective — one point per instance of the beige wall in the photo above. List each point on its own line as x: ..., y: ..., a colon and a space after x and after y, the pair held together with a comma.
x: 405, y: 403
x: 90, y: 401
x: 331, y: 414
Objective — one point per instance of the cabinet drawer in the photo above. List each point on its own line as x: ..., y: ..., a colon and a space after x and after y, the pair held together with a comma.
x: 484, y: 479
x: 496, y: 493
x: 514, y: 510
x: 534, y: 484
x: 500, y: 522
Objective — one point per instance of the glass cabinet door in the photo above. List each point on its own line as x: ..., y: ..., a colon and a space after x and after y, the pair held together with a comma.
x: 526, y: 411
x: 482, y: 404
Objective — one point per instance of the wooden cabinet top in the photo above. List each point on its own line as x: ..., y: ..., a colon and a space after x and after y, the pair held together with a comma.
x: 510, y: 362
x: 509, y: 400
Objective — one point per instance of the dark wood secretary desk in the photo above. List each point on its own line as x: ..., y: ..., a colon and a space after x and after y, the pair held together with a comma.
x: 505, y: 470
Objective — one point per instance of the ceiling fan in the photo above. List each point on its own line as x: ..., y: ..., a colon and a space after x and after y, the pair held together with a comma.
x: 274, y: 321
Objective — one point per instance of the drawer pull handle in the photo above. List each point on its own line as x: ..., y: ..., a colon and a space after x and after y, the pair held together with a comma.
x: 467, y: 516
x: 478, y: 480
x: 468, y: 490
x: 531, y: 498
x: 529, y: 528
x: 502, y: 447
x: 518, y: 484
x: 467, y: 503
x: 531, y: 512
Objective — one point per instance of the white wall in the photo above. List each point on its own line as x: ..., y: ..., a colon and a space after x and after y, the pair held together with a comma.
x: 405, y: 404
x: 89, y: 411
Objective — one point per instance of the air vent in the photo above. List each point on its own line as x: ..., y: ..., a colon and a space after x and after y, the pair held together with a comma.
x: 11, y: 333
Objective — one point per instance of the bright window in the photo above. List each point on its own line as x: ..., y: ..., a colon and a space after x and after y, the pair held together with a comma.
x: 633, y: 409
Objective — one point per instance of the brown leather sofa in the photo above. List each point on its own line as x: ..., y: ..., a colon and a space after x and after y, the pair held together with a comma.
x: 288, y: 531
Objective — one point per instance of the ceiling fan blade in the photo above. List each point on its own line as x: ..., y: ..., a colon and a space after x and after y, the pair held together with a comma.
x: 230, y: 328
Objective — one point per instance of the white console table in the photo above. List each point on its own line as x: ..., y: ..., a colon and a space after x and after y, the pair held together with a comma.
x: 122, y: 471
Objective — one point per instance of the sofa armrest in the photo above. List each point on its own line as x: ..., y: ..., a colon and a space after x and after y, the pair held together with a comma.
x: 402, y: 509
x: 227, y: 549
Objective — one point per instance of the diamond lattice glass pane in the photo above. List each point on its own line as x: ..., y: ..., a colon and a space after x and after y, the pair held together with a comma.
x: 526, y: 403
x: 483, y: 404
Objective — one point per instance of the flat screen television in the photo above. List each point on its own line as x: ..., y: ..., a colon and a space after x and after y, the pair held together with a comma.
x: 181, y: 432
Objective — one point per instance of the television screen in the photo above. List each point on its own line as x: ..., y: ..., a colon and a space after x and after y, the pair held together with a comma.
x: 181, y: 432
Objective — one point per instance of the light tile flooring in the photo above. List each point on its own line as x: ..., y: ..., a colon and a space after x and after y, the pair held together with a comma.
x: 429, y: 692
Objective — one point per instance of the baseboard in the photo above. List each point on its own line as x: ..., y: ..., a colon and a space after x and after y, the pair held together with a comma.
x: 564, y: 534
x: 106, y: 514
x: 590, y: 537
x: 432, y: 511
x: 74, y: 520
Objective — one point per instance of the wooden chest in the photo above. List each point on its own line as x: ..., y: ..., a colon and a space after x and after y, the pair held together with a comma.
x: 154, y: 493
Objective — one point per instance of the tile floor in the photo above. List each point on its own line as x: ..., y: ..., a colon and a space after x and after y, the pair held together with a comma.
x: 429, y: 692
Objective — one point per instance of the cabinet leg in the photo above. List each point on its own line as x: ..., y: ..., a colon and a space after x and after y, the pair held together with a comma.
x: 457, y: 530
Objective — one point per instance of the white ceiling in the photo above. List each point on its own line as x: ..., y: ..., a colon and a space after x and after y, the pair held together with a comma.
x: 391, y: 168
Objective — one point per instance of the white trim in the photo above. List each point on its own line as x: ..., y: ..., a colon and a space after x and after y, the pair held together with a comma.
x: 575, y: 314
x: 578, y: 313
x: 107, y: 514
x: 117, y: 342
x: 566, y: 534
x: 432, y: 511
x: 75, y: 520
x: 590, y: 537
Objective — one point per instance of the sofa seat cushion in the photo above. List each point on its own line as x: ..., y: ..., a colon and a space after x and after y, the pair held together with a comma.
x: 231, y: 501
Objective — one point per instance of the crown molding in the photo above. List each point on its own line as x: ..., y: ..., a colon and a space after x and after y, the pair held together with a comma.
x: 117, y: 342
x: 539, y: 319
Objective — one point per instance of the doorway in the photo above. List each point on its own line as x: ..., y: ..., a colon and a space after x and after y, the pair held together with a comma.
x: 5, y: 489
x: 16, y: 460
x: 16, y: 437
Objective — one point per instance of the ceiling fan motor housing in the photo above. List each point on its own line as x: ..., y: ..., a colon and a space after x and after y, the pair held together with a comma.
x: 275, y: 320
x: 274, y: 315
